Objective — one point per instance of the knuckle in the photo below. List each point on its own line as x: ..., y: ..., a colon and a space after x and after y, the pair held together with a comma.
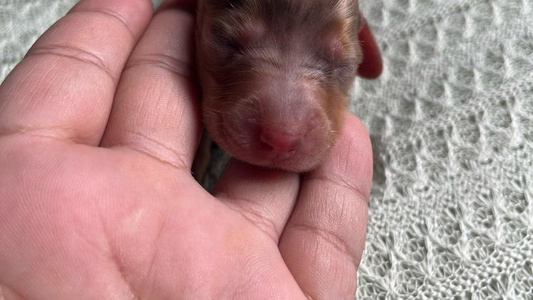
x: 163, y: 61
x: 73, y: 52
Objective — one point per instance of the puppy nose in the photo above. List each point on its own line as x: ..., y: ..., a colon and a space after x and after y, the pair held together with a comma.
x: 280, y: 141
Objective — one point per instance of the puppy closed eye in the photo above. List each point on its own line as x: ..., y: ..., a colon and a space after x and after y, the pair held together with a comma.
x: 226, y: 44
x: 342, y: 65
x: 344, y: 70
x: 340, y: 69
x: 237, y: 39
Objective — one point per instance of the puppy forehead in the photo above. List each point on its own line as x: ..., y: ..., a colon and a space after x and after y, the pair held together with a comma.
x: 287, y: 14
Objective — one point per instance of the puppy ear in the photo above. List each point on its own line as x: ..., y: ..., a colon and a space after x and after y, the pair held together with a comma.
x: 372, y: 65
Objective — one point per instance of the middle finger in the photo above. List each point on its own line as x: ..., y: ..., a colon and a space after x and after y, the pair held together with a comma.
x: 155, y: 110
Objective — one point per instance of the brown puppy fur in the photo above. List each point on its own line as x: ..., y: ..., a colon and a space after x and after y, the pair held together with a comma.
x: 275, y: 76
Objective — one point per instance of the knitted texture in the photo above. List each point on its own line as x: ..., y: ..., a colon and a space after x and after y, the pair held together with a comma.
x: 21, y: 22
x: 451, y: 121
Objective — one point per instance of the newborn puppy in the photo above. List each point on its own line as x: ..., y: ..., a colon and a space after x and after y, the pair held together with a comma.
x: 275, y: 76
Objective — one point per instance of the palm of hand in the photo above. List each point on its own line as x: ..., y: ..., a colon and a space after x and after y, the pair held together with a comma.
x: 141, y: 227
x: 131, y: 220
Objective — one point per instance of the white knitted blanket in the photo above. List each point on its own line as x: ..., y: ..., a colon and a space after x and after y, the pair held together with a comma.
x: 451, y: 120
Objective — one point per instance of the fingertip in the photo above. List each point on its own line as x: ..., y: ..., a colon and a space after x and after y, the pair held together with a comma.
x: 350, y: 162
x: 359, y: 128
x: 132, y: 13
x: 357, y: 132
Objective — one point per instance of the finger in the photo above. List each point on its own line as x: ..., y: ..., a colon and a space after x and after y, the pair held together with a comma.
x: 64, y: 87
x: 156, y: 110
x: 263, y: 196
x: 371, y: 66
x: 324, y: 238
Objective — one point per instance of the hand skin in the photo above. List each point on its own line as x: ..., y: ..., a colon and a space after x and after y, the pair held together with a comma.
x: 98, y: 129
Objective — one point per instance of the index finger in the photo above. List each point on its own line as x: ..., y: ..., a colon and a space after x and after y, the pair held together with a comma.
x: 65, y: 85
x: 323, y: 241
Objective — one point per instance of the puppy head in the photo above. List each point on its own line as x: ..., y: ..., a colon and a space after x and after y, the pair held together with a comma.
x: 275, y: 76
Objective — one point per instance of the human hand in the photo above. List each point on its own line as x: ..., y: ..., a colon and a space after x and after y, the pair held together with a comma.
x: 98, y: 129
